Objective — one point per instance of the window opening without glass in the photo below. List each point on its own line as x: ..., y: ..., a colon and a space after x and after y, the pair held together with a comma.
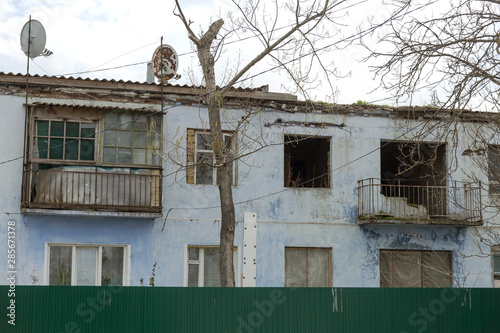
x: 307, y: 161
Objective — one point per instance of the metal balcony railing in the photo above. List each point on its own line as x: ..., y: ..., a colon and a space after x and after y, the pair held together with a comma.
x: 385, y: 200
x: 93, y: 188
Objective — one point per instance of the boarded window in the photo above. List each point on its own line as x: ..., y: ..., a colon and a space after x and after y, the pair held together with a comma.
x: 307, y: 267
x: 415, y: 269
x: 307, y: 161
x: 204, y: 266
x: 64, y: 140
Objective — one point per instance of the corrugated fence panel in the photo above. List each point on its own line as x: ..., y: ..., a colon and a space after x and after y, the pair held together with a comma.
x: 250, y: 310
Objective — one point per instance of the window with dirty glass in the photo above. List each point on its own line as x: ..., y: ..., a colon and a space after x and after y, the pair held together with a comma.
x: 64, y: 140
x: 204, y: 267
x: 415, y: 269
x: 131, y: 138
x: 307, y: 161
x: 494, y: 169
x: 84, y: 265
x: 201, y: 158
x: 308, y: 267
x: 495, y: 256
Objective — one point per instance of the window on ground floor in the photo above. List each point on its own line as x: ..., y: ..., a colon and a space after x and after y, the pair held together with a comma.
x: 86, y: 265
x: 415, y: 269
x: 204, y: 266
x: 308, y: 267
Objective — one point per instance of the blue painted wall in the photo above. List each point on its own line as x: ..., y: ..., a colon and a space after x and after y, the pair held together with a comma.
x: 286, y: 217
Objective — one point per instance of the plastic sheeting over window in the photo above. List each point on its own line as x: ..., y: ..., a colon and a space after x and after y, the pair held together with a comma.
x: 415, y: 269
x: 307, y: 267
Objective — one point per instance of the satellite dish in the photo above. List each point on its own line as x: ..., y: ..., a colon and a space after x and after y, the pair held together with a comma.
x: 170, y: 63
x: 36, y: 40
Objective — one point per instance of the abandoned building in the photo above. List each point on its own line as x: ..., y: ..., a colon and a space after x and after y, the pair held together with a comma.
x: 103, y: 186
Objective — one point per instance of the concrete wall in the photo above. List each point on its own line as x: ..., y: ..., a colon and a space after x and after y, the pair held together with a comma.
x: 300, y: 217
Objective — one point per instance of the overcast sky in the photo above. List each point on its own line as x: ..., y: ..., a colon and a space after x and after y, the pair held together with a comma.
x: 101, y: 34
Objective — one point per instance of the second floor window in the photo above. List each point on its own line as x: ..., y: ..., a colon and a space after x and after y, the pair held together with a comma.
x: 131, y: 138
x: 64, y: 140
x: 201, y: 157
x: 494, y: 169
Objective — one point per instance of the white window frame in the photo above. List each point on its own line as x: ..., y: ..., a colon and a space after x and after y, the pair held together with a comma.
x: 126, y: 261
x: 214, y: 170
x: 201, y: 264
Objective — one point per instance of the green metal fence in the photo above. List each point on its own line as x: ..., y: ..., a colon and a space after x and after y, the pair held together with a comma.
x: 249, y: 310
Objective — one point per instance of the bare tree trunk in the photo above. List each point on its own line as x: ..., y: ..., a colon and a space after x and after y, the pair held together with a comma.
x: 307, y: 33
x: 214, y: 101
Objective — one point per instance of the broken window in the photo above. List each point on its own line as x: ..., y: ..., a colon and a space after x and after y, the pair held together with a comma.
x: 307, y: 161
x: 204, y: 266
x: 415, y: 269
x: 200, y: 155
x: 495, y: 251
x: 307, y: 267
x: 494, y: 169
x: 416, y: 172
x: 131, y: 138
x: 64, y: 140
x: 84, y: 265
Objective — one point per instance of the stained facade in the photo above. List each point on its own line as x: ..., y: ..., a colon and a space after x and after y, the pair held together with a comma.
x: 111, y: 189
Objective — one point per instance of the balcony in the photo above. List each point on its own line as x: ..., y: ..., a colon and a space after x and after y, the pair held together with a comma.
x: 400, y: 202
x: 93, y: 188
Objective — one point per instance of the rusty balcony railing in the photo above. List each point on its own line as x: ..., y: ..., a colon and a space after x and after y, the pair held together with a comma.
x: 399, y: 201
x: 93, y: 188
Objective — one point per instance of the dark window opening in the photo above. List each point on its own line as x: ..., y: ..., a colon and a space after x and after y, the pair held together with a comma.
x: 417, y: 172
x: 307, y: 161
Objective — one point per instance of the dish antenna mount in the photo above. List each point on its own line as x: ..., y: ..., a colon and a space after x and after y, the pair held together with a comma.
x: 165, y: 63
x: 33, y: 39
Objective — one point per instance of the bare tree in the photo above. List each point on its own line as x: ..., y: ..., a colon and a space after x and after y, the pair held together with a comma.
x: 454, y: 57
x: 304, y: 33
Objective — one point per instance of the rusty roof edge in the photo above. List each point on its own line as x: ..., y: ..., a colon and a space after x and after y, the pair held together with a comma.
x: 257, y: 93
x: 93, y: 104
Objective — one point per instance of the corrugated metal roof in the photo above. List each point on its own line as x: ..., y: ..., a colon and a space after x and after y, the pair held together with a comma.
x: 98, y: 107
x: 263, y: 88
